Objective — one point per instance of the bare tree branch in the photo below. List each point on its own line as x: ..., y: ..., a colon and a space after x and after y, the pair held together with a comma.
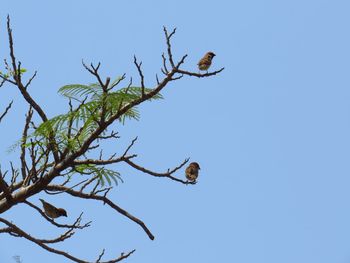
x: 168, y: 37
x: 164, y: 69
x: 75, y: 225
x: 138, y: 66
x: 30, y: 80
x: 17, y: 77
x: 105, y: 200
x: 5, y: 189
x: 6, y: 110
x: 94, y: 71
x: 23, y: 144
x: 13, y: 229
x: 104, y: 162
x: 199, y: 75
x: 167, y: 174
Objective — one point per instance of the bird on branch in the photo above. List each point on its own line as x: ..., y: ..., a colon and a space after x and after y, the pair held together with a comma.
x: 205, y: 62
x: 192, y: 171
x: 52, y: 211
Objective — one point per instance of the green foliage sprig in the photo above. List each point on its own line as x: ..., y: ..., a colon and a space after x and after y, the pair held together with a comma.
x: 71, y: 129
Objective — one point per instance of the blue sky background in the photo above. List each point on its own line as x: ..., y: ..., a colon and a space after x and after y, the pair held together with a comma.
x: 272, y: 132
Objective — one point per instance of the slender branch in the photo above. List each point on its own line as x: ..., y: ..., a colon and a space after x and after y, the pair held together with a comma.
x: 199, y: 75
x: 113, y: 135
x: 5, y: 189
x: 117, y: 82
x: 167, y: 174
x: 71, y: 187
x: 5, y: 230
x: 69, y: 233
x: 176, y: 78
x: 2, y: 81
x: 19, y: 232
x: 25, y: 94
x: 104, y: 162
x: 6, y: 110
x: 100, y: 256
x: 164, y: 69
x: 105, y: 200
x: 168, y: 37
x: 129, y: 147
x: 89, y: 182
x: 75, y: 225
x: 94, y: 71
x: 17, y: 76
x: 30, y: 80
x: 23, y: 145
x: 138, y: 66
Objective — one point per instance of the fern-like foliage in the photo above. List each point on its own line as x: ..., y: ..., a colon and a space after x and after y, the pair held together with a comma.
x: 71, y: 129
x: 85, y: 118
x: 102, y: 173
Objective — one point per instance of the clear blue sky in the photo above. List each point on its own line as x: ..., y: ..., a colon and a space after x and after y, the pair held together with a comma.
x: 272, y: 132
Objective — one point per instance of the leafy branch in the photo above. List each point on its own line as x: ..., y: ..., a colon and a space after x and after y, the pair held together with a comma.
x: 64, y: 147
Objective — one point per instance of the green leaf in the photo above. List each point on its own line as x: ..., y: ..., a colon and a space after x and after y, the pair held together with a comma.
x: 79, y: 91
x: 103, y: 173
x: 83, y: 119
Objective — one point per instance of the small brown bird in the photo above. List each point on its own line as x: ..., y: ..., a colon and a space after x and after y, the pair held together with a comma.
x: 205, y: 62
x: 192, y: 171
x: 52, y: 211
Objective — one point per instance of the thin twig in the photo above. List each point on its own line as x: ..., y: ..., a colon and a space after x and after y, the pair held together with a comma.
x: 15, y: 230
x: 104, y: 199
x: 6, y: 110
x: 138, y: 66
x: 167, y: 174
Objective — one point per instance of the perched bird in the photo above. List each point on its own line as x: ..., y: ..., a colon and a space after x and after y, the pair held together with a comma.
x: 52, y: 211
x: 205, y: 62
x: 192, y: 171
